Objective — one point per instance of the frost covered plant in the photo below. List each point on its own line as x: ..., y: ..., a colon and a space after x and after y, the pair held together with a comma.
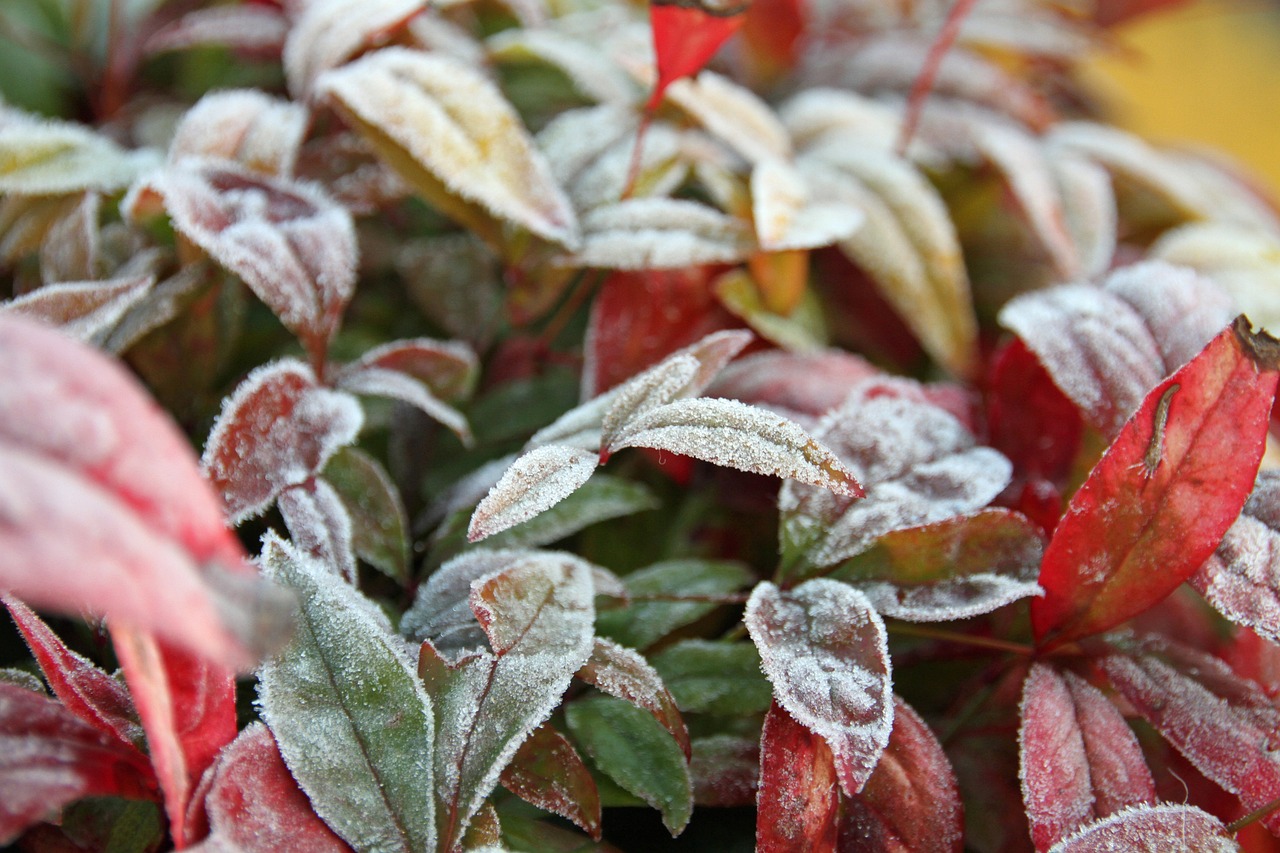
x: 435, y: 429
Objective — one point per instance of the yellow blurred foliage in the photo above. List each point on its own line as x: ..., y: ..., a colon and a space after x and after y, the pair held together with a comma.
x: 1207, y: 73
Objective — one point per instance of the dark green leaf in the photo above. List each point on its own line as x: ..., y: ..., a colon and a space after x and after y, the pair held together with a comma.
x: 643, y: 623
x: 714, y: 678
x: 378, y: 525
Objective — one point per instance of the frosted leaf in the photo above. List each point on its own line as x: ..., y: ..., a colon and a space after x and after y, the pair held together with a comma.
x: 329, y: 33
x: 158, y: 305
x: 1243, y: 261
x: 319, y: 526
x: 441, y: 610
x: 72, y: 248
x: 785, y: 218
x: 1089, y: 210
x: 1129, y: 158
x: 823, y: 648
x: 1231, y: 194
x: 799, y: 386
x: 578, y: 427
x: 657, y: 386
x: 733, y: 434
x: 718, y: 678
x: 917, y: 464
x: 393, y: 384
x: 537, y: 614
x: 725, y: 770
x: 379, y: 534
x: 588, y: 68
x: 947, y: 600
x: 276, y: 430
x: 87, y: 310
x: 548, y: 772
x: 907, y: 244
x: 538, y: 480
x: 291, y: 244
x: 599, y: 499
x: 253, y: 805
x: 644, y: 621
x: 1079, y: 760
x: 353, y: 721
x: 257, y: 131
x: 798, y: 328
x: 733, y: 114
x: 250, y: 28
x: 1242, y: 579
x: 1023, y: 163
x: 453, y: 135
x: 624, y: 673
x: 798, y: 800
x: 438, y: 34
x: 25, y: 221
x: 1096, y: 347
x: 456, y: 282
x: 95, y: 476
x: 1166, y: 828
x: 818, y: 115
x: 661, y: 233
x: 39, y: 157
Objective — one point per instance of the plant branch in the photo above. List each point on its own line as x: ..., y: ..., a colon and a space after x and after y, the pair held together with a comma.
x: 908, y: 629
x: 923, y: 84
x: 1253, y: 816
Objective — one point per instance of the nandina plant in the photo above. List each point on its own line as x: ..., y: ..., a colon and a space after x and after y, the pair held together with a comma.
x: 452, y: 428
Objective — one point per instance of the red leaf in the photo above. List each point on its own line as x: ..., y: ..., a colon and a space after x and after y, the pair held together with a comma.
x: 686, y: 36
x: 823, y: 648
x: 798, y: 800
x: 911, y: 803
x: 49, y: 758
x: 1226, y: 727
x: 276, y: 430
x: 84, y: 690
x: 1159, y: 501
x: 1030, y: 420
x: 548, y: 772
x: 1153, y: 829
x: 188, y: 710
x: 639, y: 318
x: 447, y: 368
x: 725, y: 770
x: 102, y: 507
x: 249, y: 802
x: 772, y: 31
x: 1080, y: 760
x: 622, y: 672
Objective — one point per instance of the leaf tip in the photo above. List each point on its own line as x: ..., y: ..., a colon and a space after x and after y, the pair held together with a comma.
x: 1261, y: 346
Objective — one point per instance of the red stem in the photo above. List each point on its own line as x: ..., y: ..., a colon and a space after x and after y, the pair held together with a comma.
x: 923, y: 84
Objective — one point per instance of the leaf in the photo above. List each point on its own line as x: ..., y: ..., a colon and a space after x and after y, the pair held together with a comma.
x: 536, y: 612
x: 441, y: 611
x: 823, y: 648
x: 725, y: 770
x: 87, y: 310
x: 246, y: 126
x: 912, y: 801
x: 43, y: 158
x: 588, y: 67
x: 319, y: 525
x: 686, y: 37
x: 71, y: 251
x: 629, y: 746
x: 798, y: 803
x: 548, y: 772
x: 951, y: 569
x: 599, y: 499
x: 251, y: 803
x: 326, y: 35
x: 381, y: 382
x: 785, y: 216
x: 732, y: 113
x: 291, y: 244
x: 276, y: 430
x: 655, y: 593
x: 624, y: 673
x: 379, y: 526
x: 448, y: 369
x: 717, y: 678
x: 1153, y: 829
x: 536, y: 481
x: 454, y: 137
x: 801, y: 386
x: 733, y: 434
x: 907, y: 244
x: 1240, y: 579
x: 103, y: 509
x: 661, y: 233
x: 1089, y: 210
x: 1165, y: 492
x: 918, y: 465
x: 351, y: 717
x: 1241, y: 260
x: 82, y: 688
x: 250, y: 28
x: 49, y: 757
x: 1079, y: 759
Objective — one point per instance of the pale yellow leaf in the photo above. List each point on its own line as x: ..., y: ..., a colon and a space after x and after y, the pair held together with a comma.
x: 661, y: 233
x: 328, y: 33
x: 786, y: 217
x: 733, y: 114
x: 1244, y: 261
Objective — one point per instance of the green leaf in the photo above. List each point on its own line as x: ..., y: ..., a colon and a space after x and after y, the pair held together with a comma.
x: 378, y: 524
x: 47, y: 158
x: 714, y: 678
x: 630, y: 746
x: 643, y: 623
x: 352, y: 719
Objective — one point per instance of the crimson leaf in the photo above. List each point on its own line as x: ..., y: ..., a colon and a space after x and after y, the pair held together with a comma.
x: 798, y: 800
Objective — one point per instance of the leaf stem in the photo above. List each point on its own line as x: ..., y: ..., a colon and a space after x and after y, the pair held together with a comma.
x: 908, y: 629
x: 923, y: 84
x: 1253, y: 816
x: 727, y: 598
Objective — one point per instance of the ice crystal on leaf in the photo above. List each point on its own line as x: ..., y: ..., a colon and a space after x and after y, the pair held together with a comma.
x: 1242, y: 578
x: 1152, y: 829
x: 661, y: 233
x: 244, y: 125
x: 536, y: 481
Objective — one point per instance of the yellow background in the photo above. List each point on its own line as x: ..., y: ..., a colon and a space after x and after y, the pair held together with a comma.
x: 1207, y: 72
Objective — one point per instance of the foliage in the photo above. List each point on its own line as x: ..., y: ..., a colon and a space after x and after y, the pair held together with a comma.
x: 934, y: 412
